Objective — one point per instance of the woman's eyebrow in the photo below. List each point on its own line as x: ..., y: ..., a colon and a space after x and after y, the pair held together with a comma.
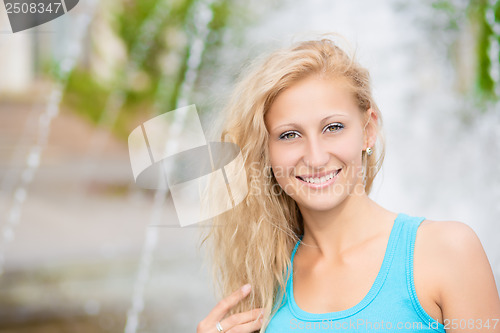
x: 299, y: 126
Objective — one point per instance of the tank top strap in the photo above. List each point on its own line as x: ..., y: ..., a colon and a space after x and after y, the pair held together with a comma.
x: 410, y: 282
x: 407, y: 248
x: 287, y: 277
x: 400, y: 280
x: 403, y: 255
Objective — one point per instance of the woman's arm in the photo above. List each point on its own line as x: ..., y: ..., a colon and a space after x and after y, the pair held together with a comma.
x: 465, y: 286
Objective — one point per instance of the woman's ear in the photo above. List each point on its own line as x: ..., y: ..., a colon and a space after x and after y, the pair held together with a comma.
x: 370, y: 128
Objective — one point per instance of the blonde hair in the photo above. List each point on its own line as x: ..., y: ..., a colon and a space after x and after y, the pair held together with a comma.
x: 252, y: 243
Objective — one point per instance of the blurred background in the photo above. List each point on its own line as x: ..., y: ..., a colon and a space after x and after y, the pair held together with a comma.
x: 84, y: 249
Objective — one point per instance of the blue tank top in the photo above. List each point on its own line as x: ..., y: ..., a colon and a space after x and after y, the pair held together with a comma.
x: 390, y: 305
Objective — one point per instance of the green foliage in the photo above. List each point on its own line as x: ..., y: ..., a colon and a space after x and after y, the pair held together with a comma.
x: 476, y: 12
x: 148, y: 43
x: 485, y: 85
x: 450, y: 10
x: 85, y: 95
x: 222, y: 10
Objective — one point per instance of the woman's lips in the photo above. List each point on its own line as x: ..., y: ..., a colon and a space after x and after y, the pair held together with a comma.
x: 320, y: 182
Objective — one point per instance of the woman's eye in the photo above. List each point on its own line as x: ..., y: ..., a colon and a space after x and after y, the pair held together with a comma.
x: 289, y: 135
x: 334, y: 127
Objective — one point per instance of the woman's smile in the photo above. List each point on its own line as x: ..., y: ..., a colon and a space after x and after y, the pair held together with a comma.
x: 320, y: 180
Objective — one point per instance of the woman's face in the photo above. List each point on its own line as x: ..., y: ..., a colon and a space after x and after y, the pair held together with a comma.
x: 316, y: 138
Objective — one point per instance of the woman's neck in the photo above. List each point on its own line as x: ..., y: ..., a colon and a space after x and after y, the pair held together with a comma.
x: 356, y: 219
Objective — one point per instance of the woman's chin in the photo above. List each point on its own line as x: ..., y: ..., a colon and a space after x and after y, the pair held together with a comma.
x: 318, y: 202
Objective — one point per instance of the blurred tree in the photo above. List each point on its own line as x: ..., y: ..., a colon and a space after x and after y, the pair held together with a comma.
x: 486, y: 16
x: 155, y: 36
x: 482, y: 17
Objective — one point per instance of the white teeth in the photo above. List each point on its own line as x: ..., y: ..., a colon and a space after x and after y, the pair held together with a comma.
x: 321, y: 180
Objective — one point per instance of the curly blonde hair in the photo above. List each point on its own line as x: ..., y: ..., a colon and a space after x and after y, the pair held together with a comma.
x: 252, y: 243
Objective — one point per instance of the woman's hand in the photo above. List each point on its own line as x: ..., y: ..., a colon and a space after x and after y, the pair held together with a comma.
x: 244, y: 322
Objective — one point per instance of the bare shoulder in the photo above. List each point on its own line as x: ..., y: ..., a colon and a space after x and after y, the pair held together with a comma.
x: 452, y: 246
x: 451, y: 237
x: 458, y: 267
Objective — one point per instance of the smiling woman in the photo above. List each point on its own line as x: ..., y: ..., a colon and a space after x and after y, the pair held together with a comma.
x: 312, y: 250
x: 329, y: 137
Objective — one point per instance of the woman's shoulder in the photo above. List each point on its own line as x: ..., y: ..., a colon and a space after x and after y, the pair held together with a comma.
x: 451, y: 258
x: 451, y: 245
x: 449, y: 237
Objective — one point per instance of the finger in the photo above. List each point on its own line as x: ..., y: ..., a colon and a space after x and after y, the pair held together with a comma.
x: 251, y: 326
x: 241, y: 318
x: 227, y: 303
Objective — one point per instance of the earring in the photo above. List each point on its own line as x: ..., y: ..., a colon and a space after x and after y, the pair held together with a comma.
x: 369, y: 151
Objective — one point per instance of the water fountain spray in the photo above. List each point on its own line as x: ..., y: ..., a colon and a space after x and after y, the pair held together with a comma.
x: 202, y: 19
x: 51, y: 111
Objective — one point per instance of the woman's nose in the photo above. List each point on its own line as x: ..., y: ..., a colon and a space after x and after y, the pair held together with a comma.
x: 316, y: 153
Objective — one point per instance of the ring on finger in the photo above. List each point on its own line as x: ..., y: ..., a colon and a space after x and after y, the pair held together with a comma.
x: 219, y: 327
